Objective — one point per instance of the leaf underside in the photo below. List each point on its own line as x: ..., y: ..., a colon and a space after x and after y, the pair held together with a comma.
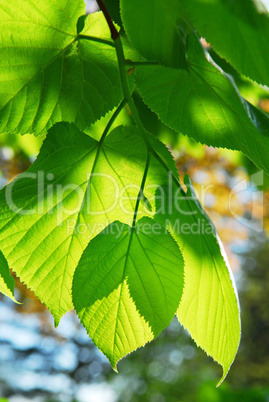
x: 238, y: 31
x: 157, y: 35
x: 203, y: 103
x: 47, y: 74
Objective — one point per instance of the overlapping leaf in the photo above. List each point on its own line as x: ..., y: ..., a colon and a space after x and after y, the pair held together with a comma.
x: 6, y: 280
x: 48, y: 74
x: 204, y: 104
x: 127, y: 286
x: 209, y: 306
x: 238, y: 31
x: 73, y: 191
x: 154, y: 27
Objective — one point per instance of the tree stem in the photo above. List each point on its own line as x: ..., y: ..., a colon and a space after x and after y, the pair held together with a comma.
x: 126, y: 90
x: 129, y: 99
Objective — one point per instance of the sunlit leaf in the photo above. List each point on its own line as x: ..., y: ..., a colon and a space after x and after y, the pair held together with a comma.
x: 238, y: 31
x: 204, y: 104
x: 154, y: 27
x: 127, y: 286
x: 71, y: 193
x: 209, y: 307
x: 48, y: 74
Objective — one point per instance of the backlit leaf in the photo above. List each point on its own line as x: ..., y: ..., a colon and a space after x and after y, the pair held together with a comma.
x: 209, y: 307
x: 203, y: 103
x: 127, y: 286
x: 47, y: 73
x: 71, y: 193
x: 237, y: 30
x: 155, y: 29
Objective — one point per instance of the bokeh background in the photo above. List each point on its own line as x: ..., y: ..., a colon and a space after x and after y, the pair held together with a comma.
x: 42, y: 364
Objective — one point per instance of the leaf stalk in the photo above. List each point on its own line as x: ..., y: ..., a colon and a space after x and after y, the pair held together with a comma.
x: 95, y: 39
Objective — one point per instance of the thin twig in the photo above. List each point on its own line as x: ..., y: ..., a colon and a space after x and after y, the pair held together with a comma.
x: 96, y: 39
x: 114, y: 33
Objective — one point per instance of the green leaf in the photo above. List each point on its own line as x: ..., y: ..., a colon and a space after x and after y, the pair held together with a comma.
x: 113, y: 7
x: 204, y: 104
x: 127, y: 286
x: 96, y: 26
x: 7, y: 282
x: 209, y: 307
x: 72, y: 192
x: 74, y: 189
x: 48, y: 73
x: 237, y: 30
x: 156, y: 29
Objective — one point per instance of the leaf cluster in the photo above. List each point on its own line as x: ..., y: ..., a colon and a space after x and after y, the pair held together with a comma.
x: 105, y: 226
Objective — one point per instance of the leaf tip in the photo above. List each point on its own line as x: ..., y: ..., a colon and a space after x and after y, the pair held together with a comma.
x: 16, y: 301
x: 56, y: 321
x: 115, y: 368
x: 11, y: 296
x: 224, y: 375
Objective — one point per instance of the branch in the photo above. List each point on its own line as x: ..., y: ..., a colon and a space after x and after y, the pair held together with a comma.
x: 114, y: 33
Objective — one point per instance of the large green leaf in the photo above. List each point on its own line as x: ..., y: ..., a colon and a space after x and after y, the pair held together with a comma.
x: 73, y: 191
x: 47, y: 73
x: 50, y: 213
x: 238, y: 31
x: 127, y: 286
x: 204, y: 104
x: 155, y: 29
x: 209, y: 307
x: 7, y: 282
